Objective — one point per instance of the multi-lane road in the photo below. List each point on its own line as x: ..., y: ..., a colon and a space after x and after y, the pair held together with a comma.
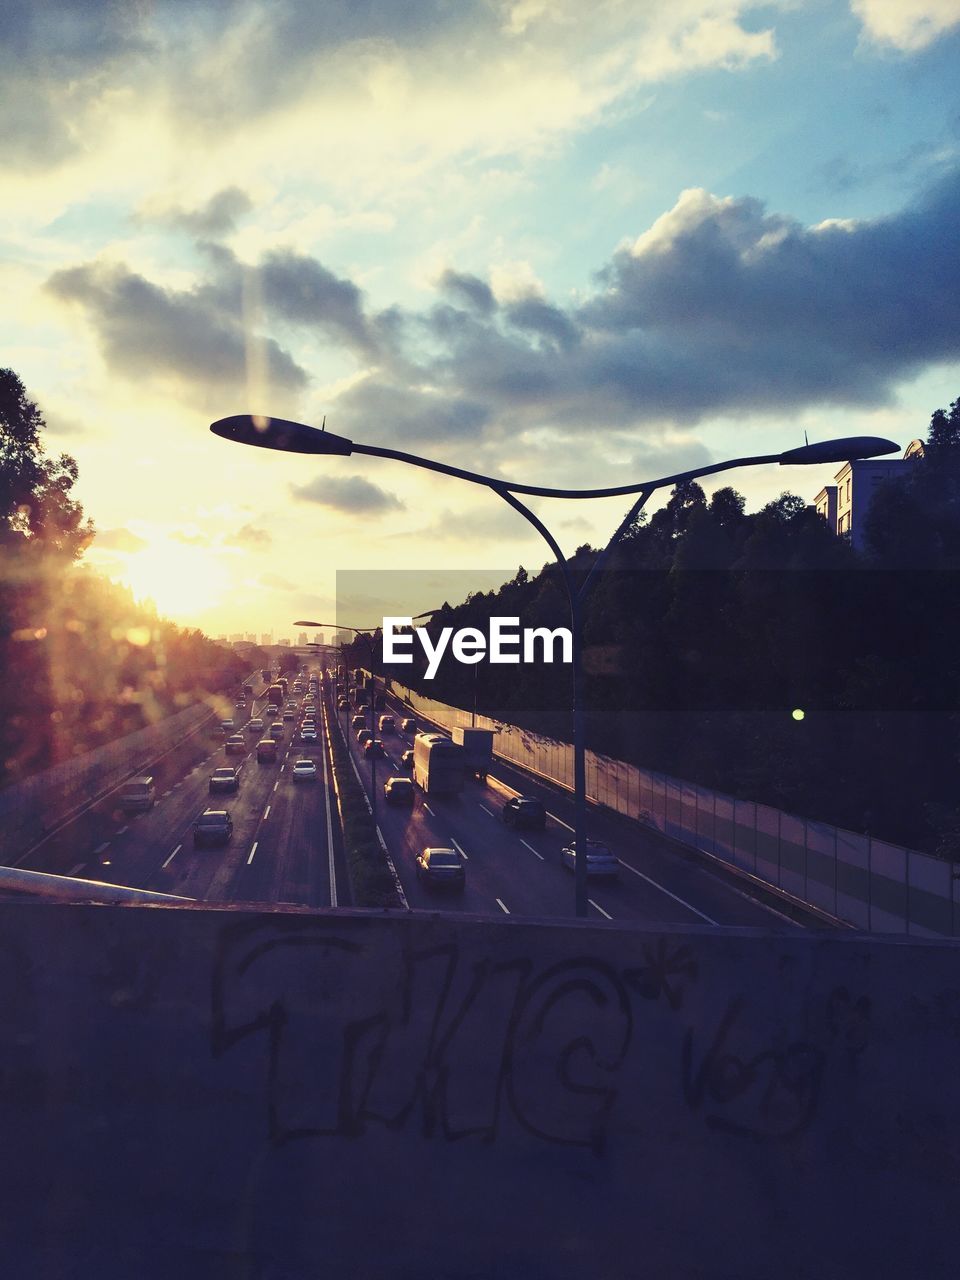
x: 521, y: 872
x: 286, y: 845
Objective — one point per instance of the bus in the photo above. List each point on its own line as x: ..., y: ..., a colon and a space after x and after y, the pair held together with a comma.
x: 437, y: 764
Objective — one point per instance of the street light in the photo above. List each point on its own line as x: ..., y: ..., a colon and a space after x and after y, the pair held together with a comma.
x: 296, y: 437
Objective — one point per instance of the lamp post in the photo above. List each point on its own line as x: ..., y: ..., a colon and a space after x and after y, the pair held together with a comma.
x: 297, y: 437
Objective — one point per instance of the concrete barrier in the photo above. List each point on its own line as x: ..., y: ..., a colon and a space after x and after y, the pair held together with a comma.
x: 221, y: 1094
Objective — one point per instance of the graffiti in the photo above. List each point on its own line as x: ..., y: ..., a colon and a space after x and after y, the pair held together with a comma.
x: 655, y: 977
x: 770, y: 1095
x: 458, y: 1047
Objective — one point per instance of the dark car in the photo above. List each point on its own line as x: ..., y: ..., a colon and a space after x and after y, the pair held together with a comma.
x: 398, y: 791
x: 525, y: 811
x: 358, y: 721
x: 406, y: 758
x: 236, y: 745
x: 364, y: 736
x: 373, y: 748
x: 442, y: 868
x: 408, y: 725
x: 214, y: 826
x: 225, y: 780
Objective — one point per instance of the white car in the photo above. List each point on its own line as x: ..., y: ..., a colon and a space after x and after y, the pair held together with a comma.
x: 600, y: 860
x: 304, y: 771
x: 308, y: 734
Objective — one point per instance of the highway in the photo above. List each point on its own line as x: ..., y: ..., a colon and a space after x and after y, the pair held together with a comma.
x: 285, y: 843
x: 520, y: 872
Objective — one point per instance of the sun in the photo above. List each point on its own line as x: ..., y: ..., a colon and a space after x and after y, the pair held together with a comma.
x: 181, y: 580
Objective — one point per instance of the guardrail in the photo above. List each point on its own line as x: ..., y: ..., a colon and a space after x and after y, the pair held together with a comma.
x: 38, y: 884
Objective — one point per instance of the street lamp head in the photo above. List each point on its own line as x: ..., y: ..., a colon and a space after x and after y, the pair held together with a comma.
x: 279, y: 433
x: 846, y: 449
x: 303, y: 623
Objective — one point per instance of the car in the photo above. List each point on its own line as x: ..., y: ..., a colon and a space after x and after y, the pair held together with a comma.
x: 276, y: 730
x: 406, y: 758
x: 342, y: 704
x: 266, y: 750
x: 289, y: 715
x: 214, y: 826
x: 374, y: 747
x: 600, y: 859
x: 364, y: 736
x: 138, y: 794
x: 408, y: 725
x: 224, y: 780
x: 304, y: 771
x: 240, y: 705
x: 442, y: 868
x: 525, y: 811
x: 398, y: 791
x: 308, y: 734
x: 255, y: 725
x: 386, y: 724
x: 226, y: 725
x: 235, y: 745
x: 358, y: 721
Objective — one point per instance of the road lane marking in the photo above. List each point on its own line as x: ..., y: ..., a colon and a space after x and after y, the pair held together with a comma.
x: 326, y: 749
x: 266, y: 813
x: 275, y: 785
x: 597, y: 907
x: 560, y: 820
x: 696, y: 912
x: 173, y: 855
x: 165, y: 794
x: 459, y: 850
x: 252, y: 852
x: 122, y: 830
x: 102, y: 848
x: 485, y: 809
x: 429, y: 810
x: 505, y: 910
x: 532, y: 849
x: 78, y: 867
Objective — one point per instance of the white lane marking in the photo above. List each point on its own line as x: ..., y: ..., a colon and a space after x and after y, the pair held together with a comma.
x: 696, y: 912
x: 282, y: 767
x: 560, y: 820
x: 429, y: 810
x: 532, y: 849
x: 78, y: 867
x: 505, y: 910
x: 173, y: 855
x: 122, y: 830
x: 275, y: 785
x: 165, y: 794
x: 459, y: 850
x: 105, y: 845
x: 485, y: 809
x: 252, y: 852
x: 178, y: 784
x: 266, y: 813
x: 596, y: 906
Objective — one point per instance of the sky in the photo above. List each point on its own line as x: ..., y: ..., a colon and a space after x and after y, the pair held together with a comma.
x: 566, y: 245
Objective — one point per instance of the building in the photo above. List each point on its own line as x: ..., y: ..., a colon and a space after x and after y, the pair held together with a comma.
x: 266, y: 638
x: 284, y: 643
x: 302, y: 640
x: 844, y: 505
x: 342, y: 637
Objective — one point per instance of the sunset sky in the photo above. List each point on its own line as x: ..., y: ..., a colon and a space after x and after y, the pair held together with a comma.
x: 567, y: 244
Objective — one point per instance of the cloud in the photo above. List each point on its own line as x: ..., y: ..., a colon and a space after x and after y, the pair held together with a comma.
x: 249, y: 536
x: 119, y: 540
x: 468, y: 289
x: 216, y: 217
x: 351, y: 494
x: 146, y: 330
x: 907, y: 25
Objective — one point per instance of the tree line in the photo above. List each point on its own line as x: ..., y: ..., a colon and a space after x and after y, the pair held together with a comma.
x: 81, y: 662
x: 759, y: 653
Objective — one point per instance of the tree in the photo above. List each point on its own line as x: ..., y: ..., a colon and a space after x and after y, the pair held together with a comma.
x: 35, y: 501
x: 945, y: 428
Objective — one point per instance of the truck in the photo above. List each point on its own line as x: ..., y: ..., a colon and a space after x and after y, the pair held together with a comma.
x: 437, y: 764
x: 477, y: 747
x: 276, y: 695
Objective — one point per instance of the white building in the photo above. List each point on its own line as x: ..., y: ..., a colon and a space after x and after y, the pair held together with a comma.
x: 844, y: 505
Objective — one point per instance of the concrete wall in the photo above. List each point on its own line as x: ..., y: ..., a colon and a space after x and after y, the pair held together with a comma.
x: 222, y: 1094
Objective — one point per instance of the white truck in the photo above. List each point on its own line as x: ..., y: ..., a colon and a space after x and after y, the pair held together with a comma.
x: 437, y: 764
x: 477, y: 747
